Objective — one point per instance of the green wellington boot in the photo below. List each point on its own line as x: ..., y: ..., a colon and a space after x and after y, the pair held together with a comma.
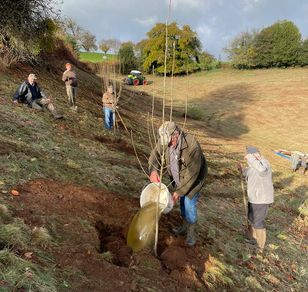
x: 191, y: 235
x: 181, y: 230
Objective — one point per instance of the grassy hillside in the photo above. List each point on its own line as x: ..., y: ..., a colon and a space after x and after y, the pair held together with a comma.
x: 95, y: 57
x: 79, y: 187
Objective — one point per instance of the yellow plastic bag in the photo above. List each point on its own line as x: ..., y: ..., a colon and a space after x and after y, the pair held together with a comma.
x: 141, y: 232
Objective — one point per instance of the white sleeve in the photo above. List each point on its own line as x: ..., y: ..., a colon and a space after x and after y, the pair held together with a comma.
x: 261, y: 166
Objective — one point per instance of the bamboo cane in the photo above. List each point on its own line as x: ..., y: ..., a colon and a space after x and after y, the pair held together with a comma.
x: 244, y: 199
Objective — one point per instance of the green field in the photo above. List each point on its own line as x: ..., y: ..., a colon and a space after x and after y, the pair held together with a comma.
x: 95, y: 57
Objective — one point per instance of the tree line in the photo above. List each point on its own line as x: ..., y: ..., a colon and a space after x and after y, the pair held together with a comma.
x: 278, y: 45
x: 184, y: 51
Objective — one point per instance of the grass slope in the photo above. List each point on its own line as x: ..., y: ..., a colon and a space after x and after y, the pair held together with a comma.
x: 228, y: 110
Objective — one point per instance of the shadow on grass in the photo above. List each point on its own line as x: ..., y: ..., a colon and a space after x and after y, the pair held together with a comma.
x: 222, y: 110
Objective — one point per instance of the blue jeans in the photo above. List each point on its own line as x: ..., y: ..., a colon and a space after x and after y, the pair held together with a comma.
x: 189, y: 208
x: 108, y: 113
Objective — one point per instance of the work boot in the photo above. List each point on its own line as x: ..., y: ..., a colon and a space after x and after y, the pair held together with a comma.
x: 180, y: 230
x: 250, y: 234
x: 58, y: 117
x: 191, y: 235
x: 261, y: 238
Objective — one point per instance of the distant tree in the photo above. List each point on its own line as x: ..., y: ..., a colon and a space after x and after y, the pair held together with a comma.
x: 77, y: 36
x: 184, y: 42
x: 104, y: 46
x: 207, y: 61
x: 88, y: 41
x: 139, y: 52
x: 303, y: 53
x: 278, y: 45
x: 114, y: 45
x: 242, y: 51
x: 72, y: 33
x: 127, y: 57
x: 72, y: 28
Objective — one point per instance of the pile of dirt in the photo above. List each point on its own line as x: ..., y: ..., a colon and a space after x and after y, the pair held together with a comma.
x: 89, y: 227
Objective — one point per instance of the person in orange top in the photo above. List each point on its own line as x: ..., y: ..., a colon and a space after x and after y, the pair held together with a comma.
x: 70, y: 79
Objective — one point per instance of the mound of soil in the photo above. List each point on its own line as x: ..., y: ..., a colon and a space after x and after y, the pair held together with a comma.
x: 89, y: 227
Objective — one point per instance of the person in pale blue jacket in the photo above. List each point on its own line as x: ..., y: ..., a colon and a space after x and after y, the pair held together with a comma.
x: 260, y: 192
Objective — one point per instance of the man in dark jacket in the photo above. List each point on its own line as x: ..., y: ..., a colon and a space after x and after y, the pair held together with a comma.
x: 186, y: 166
x: 30, y: 93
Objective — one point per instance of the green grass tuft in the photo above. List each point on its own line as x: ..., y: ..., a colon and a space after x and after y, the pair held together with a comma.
x: 17, y: 273
x: 107, y: 256
x: 4, y: 212
x: 216, y: 274
x: 253, y: 284
x: 195, y: 113
x: 14, y: 235
x: 40, y: 236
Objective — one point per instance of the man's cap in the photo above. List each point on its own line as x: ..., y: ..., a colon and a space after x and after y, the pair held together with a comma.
x: 32, y: 76
x: 251, y: 150
x: 165, y: 132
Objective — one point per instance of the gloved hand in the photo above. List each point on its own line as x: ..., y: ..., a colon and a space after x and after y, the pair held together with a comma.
x: 154, y: 177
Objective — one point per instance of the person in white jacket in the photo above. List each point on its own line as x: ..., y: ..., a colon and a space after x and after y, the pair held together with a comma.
x: 260, y: 191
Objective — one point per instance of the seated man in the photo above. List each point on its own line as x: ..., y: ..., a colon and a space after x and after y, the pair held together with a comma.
x: 299, y: 161
x: 30, y: 93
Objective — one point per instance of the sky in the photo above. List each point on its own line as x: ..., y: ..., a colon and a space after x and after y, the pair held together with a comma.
x: 217, y: 22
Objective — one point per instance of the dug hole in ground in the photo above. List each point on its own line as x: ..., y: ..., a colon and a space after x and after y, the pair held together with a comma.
x: 93, y: 225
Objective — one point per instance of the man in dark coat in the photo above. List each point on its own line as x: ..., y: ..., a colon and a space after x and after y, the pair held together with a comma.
x: 30, y: 93
x: 187, y: 168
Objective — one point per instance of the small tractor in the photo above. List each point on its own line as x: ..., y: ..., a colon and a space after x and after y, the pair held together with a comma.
x: 136, y: 78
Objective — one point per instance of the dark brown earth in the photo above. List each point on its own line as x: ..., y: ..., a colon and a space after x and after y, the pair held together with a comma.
x: 89, y: 229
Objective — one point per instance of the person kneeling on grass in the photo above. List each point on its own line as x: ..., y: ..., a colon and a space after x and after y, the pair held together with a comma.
x: 260, y: 193
x: 30, y: 93
x: 187, y: 168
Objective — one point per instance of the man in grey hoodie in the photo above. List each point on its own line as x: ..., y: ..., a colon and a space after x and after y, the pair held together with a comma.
x: 260, y: 191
